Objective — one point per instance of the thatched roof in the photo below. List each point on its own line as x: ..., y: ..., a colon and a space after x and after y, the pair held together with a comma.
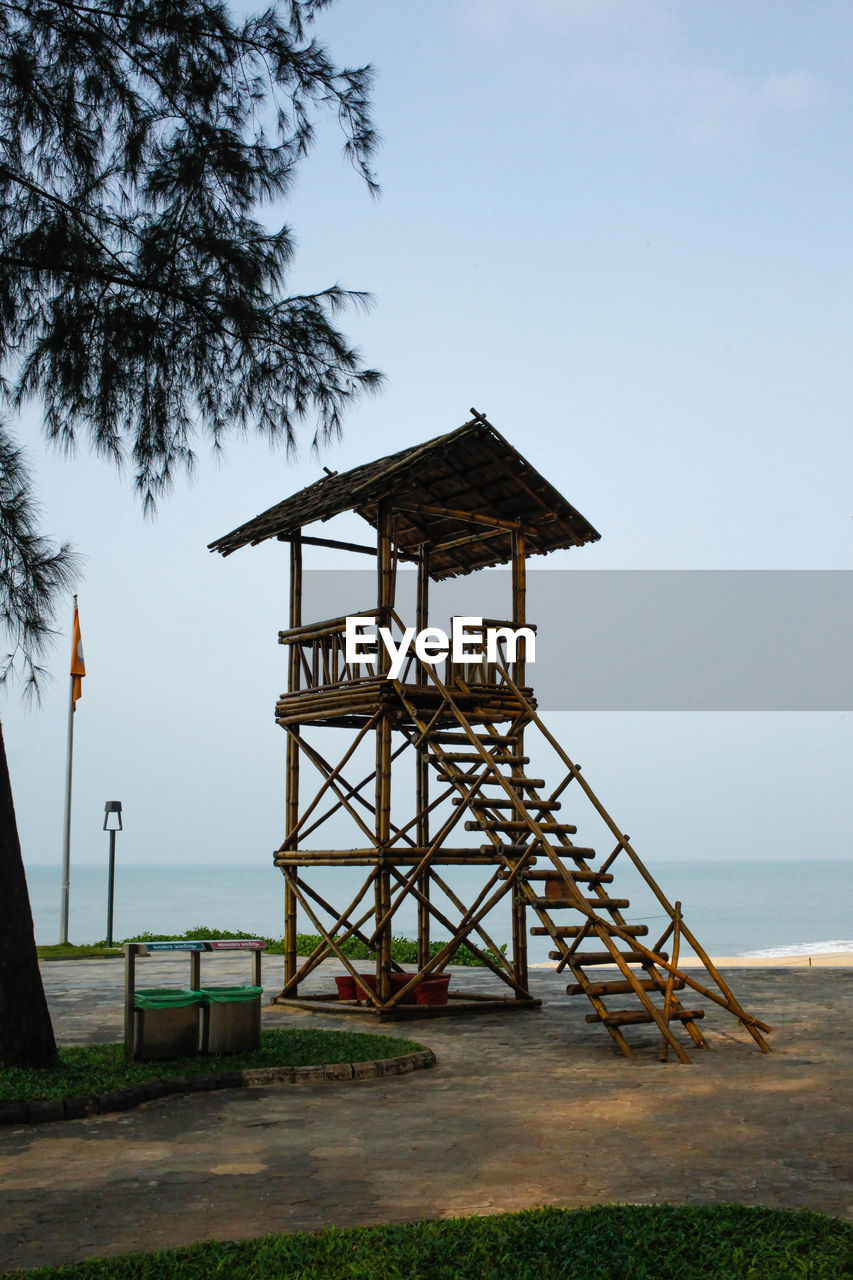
x: 472, y: 470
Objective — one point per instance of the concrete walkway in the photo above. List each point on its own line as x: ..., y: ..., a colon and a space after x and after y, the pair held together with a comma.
x: 522, y: 1110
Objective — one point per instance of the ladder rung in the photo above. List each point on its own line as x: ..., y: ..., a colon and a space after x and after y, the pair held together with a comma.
x: 551, y: 874
x: 504, y: 802
x: 508, y: 824
x: 621, y: 987
x: 609, y: 904
x: 583, y: 958
x: 520, y: 784
x: 472, y: 757
x: 572, y: 930
x: 631, y: 1017
x: 580, y: 877
x: 578, y: 852
x: 499, y: 740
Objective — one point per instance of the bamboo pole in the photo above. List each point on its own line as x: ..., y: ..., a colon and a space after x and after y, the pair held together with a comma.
x: 303, y: 632
x: 323, y: 949
x: 328, y: 939
x: 453, y: 513
x: 353, y: 790
x: 385, y: 599
x: 519, y: 618
x: 365, y: 857
x: 471, y: 918
x: 337, y: 786
x: 442, y: 957
x: 487, y: 939
x: 423, y: 865
x: 290, y: 840
x: 422, y: 769
x: 291, y: 801
x: 670, y: 977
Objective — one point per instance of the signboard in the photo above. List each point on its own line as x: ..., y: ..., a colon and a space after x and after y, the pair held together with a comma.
x: 215, y: 944
x: 170, y: 946
x: 237, y: 944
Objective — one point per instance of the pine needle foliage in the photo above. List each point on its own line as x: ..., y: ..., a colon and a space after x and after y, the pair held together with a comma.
x: 142, y: 300
x: 33, y: 573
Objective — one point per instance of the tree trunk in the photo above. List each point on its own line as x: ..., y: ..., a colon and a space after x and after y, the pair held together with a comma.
x: 26, y: 1033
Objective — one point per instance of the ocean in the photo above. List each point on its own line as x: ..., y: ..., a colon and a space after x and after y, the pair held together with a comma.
x: 761, y: 908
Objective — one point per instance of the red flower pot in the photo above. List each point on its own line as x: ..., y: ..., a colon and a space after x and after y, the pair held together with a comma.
x: 363, y: 983
x: 346, y: 987
x: 400, y: 980
x: 433, y: 990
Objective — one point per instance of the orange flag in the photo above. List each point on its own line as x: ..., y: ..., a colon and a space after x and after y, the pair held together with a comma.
x: 78, y: 665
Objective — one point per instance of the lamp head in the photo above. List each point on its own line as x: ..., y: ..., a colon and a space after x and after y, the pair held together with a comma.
x: 112, y: 815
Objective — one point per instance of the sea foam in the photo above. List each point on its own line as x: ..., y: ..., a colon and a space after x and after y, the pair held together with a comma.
x: 805, y: 948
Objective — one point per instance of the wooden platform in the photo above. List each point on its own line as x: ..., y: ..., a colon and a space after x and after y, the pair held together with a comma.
x: 351, y: 703
x: 460, y: 1003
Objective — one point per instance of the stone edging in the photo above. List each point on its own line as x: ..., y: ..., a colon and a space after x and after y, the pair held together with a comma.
x: 134, y: 1095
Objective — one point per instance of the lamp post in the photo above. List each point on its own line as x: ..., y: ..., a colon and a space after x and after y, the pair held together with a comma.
x: 112, y: 823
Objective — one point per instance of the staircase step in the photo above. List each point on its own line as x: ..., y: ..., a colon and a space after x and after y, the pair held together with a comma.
x: 576, y: 851
x: 519, y: 784
x: 557, y: 893
x: 504, y: 802
x: 449, y: 736
x: 558, y: 931
x: 633, y: 1017
x: 512, y: 850
x: 601, y: 904
x: 507, y: 824
x: 621, y: 987
x: 581, y: 959
x: 580, y: 877
x: 572, y: 930
x: 473, y: 757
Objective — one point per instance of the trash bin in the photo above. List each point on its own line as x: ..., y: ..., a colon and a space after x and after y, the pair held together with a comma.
x: 165, y: 1023
x: 230, y: 1019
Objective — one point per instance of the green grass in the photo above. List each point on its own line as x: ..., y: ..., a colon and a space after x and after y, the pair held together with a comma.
x: 608, y: 1242
x: 68, y: 951
x: 403, y: 950
x: 100, y: 1068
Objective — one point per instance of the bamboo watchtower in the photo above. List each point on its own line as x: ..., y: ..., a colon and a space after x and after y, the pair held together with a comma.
x: 464, y: 501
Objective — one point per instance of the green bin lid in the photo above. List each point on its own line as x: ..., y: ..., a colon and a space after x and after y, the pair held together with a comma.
x: 222, y: 995
x: 165, y: 998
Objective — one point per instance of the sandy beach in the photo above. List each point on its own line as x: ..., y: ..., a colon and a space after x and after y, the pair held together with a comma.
x: 825, y: 960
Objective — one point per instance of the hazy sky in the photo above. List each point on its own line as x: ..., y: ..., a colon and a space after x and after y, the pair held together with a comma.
x: 621, y: 228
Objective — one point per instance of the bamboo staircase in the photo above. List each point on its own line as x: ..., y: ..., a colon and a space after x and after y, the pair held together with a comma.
x: 572, y: 900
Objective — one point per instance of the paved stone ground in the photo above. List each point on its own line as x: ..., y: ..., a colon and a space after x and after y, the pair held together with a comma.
x: 526, y: 1109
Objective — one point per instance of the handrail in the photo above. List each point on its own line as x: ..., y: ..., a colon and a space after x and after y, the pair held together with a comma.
x: 329, y: 627
x: 752, y: 1024
x: 607, y: 927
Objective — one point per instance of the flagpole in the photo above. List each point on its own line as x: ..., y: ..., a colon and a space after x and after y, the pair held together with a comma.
x: 66, y: 846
